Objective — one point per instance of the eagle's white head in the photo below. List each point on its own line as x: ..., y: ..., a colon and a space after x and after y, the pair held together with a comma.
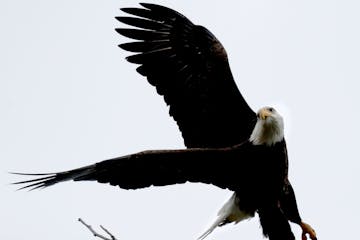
x: 269, y: 128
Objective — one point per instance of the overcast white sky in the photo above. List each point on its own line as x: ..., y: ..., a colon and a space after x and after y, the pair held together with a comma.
x: 68, y: 98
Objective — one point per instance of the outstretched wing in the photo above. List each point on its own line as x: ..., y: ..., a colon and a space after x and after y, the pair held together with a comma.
x: 163, y: 167
x: 189, y: 67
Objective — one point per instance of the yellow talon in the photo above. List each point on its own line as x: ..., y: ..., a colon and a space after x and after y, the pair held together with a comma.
x: 307, y: 229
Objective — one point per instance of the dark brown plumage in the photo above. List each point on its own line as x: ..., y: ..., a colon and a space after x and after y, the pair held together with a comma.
x: 166, y: 167
x: 189, y: 67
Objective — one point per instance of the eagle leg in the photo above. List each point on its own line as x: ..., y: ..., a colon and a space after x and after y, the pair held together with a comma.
x: 274, y: 224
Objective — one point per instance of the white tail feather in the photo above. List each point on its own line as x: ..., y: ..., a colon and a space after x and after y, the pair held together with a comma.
x: 230, y: 212
x: 217, y: 222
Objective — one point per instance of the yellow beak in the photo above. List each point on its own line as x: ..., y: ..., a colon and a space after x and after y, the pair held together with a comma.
x: 264, y: 113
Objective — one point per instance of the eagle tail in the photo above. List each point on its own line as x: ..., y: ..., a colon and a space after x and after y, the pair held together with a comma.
x: 230, y: 212
x: 220, y: 221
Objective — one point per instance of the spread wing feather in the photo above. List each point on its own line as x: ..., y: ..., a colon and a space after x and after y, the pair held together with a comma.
x: 160, y: 168
x: 189, y: 68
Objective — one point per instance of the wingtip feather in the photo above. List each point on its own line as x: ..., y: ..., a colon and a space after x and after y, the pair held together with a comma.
x: 152, y: 6
x: 146, y: 5
x: 132, y: 11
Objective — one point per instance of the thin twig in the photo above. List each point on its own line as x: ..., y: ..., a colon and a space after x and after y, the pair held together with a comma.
x: 109, y: 233
x: 112, y: 237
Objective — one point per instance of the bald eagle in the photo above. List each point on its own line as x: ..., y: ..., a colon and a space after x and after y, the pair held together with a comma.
x: 228, y: 144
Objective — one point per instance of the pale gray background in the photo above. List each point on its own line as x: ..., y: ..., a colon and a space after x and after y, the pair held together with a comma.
x: 68, y: 98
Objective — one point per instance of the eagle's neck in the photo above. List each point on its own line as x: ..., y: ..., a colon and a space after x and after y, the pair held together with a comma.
x: 268, y: 132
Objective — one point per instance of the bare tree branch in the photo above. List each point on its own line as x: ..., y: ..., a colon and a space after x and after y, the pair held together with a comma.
x: 112, y: 237
x: 109, y: 233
